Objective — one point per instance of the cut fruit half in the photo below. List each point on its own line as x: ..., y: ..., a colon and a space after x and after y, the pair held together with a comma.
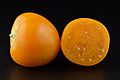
x: 85, y: 41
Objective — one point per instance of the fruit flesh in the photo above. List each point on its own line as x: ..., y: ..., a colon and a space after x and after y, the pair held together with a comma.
x: 34, y: 40
x: 85, y: 41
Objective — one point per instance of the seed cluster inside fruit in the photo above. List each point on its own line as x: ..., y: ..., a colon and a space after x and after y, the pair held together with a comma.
x: 85, y: 41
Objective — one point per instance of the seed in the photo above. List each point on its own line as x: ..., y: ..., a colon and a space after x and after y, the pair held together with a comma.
x: 78, y: 48
x: 90, y: 60
x: 67, y: 50
x: 84, y: 49
x: 69, y: 37
x: 102, y: 50
x: 85, y: 32
x: 79, y: 55
x: 98, y: 28
x: 81, y: 23
x: 83, y: 59
x: 99, y: 55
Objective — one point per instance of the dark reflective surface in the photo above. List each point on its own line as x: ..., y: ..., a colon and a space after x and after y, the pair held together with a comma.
x: 70, y: 73
x: 57, y: 72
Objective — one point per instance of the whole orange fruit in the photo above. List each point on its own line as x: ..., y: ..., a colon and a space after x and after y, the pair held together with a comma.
x: 34, y: 40
x: 85, y: 41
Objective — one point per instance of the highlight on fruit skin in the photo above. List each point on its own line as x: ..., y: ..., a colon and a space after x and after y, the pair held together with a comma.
x: 85, y: 41
x: 34, y: 40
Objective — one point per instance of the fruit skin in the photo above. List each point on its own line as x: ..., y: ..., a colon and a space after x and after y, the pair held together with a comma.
x: 34, y: 40
x: 78, y: 23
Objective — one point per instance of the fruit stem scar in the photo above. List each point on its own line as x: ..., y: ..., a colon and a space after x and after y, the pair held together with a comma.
x: 14, y: 32
x: 12, y: 36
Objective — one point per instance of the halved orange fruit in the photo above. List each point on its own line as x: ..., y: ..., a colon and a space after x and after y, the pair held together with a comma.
x: 85, y: 41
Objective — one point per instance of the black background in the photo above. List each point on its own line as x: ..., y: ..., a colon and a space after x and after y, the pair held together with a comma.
x: 60, y: 13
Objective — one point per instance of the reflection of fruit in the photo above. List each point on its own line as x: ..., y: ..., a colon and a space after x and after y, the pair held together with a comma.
x: 34, y: 40
x: 85, y: 41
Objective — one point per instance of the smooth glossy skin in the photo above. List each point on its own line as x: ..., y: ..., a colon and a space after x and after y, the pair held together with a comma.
x: 85, y: 41
x: 34, y: 40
